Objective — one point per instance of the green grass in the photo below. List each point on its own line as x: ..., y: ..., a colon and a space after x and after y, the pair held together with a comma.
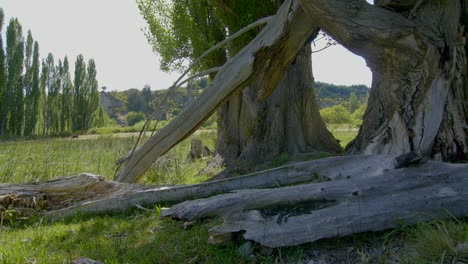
x: 439, y: 242
x: 31, y: 161
x: 344, y: 137
x: 141, y: 237
x: 127, y: 238
x: 344, y: 133
x: 108, y: 130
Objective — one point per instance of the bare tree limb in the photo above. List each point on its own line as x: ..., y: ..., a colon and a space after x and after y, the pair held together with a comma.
x: 362, y: 28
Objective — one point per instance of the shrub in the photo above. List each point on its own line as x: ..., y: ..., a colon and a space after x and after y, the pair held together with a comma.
x: 336, y: 114
x: 135, y: 117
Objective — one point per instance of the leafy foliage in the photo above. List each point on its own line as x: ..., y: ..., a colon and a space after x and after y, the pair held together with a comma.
x: 337, y: 114
x: 181, y: 31
x: 330, y: 94
x: 135, y: 117
x: 12, y: 119
x: 147, y: 101
x: 35, y: 102
x: 31, y: 84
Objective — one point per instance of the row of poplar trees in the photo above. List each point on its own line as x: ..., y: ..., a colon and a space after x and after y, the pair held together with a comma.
x: 43, y: 100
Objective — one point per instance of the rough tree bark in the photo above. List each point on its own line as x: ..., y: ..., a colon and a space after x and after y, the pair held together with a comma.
x: 416, y: 53
x: 288, y: 121
x: 417, y: 101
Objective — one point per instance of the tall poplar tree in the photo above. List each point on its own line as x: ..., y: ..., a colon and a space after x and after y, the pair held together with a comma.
x: 3, y: 102
x: 67, y: 98
x: 353, y: 102
x: 42, y: 117
x: 35, y: 92
x: 47, y: 82
x: 14, y: 87
x: 78, y: 93
x: 29, y: 78
x: 91, y: 94
x: 52, y: 95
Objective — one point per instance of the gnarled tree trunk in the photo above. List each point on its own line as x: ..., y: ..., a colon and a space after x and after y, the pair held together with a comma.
x: 288, y: 121
x: 417, y: 102
x: 416, y: 53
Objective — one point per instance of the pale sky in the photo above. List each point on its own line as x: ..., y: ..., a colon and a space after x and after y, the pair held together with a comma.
x: 109, y: 31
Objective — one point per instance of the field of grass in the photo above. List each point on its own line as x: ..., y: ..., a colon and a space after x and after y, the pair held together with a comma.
x: 344, y: 133
x: 130, y: 238
x: 141, y: 237
x: 31, y: 161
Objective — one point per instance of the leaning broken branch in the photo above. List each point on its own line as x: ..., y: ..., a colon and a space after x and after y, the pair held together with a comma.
x: 264, y: 59
x: 178, y: 83
x: 239, y: 33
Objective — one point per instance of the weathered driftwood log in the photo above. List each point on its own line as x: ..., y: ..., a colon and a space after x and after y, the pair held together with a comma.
x: 305, y: 213
x: 88, y: 193
x: 310, y: 200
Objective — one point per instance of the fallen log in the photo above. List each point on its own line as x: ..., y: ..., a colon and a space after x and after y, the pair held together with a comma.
x: 306, y: 201
x: 295, y: 215
x: 87, y: 193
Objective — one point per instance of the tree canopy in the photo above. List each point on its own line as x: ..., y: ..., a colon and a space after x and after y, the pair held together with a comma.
x: 35, y: 101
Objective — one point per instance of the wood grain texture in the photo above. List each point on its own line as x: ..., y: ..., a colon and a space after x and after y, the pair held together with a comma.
x: 300, y: 214
x: 87, y: 193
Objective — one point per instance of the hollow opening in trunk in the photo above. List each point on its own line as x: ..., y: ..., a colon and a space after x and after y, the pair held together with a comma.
x: 342, y: 82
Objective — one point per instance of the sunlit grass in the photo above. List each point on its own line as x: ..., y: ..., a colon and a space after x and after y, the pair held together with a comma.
x: 127, y: 238
x: 440, y: 242
x: 141, y: 237
x: 344, y: 133
x: 344, y: 137
x: 31, y: 161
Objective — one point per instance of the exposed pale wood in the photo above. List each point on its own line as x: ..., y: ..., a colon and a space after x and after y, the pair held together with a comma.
x: 311, y: 200
x: 59, y: 193
x: 88, y: 193
x: 334, y: 168
x: 264, y: 60
x: 298, y: 214
x: 239, y: 33
x: 179, y: 82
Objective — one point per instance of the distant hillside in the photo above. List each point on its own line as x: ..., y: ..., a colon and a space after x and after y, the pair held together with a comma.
x: 330, y: 94
x: 118, y: 104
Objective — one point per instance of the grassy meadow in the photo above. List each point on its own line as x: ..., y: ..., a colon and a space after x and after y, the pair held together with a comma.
x: 39, y: 160
x: 141, y: 237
